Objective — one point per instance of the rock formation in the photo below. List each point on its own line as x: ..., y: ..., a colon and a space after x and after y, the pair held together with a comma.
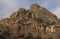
x: 33, y: 23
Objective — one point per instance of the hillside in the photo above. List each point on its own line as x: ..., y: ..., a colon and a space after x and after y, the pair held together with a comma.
x: 33, y: 23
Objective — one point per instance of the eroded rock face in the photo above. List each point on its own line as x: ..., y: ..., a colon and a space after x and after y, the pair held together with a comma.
x: 28, y: 23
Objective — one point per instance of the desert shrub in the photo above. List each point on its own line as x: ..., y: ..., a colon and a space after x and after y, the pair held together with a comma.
x: 39, y: 37
x: 50, y: 38
x: 28, y: 36
x: 5, y: 34
x: 59, y: 36
x: 21, y: 36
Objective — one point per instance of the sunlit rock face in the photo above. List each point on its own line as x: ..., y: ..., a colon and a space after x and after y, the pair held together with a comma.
x: 44, y: 12
x: 33, y: 23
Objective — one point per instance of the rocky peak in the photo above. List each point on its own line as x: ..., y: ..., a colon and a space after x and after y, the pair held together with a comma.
x: 44, y: 12
x: 34, y: 20
x: 20, y: 11
x: 35, y: 12
x: 35, y: 6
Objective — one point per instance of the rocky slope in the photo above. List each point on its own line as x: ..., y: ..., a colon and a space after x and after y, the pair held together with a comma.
x: 32, y: 23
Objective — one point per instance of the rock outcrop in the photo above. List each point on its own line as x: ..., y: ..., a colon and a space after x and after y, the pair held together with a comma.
x: 32, y: 23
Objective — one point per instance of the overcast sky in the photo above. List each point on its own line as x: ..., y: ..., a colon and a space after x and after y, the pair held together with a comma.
x: 7, y: 7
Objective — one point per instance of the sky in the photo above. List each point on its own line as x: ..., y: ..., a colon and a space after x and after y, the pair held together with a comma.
x: 7, y: 7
